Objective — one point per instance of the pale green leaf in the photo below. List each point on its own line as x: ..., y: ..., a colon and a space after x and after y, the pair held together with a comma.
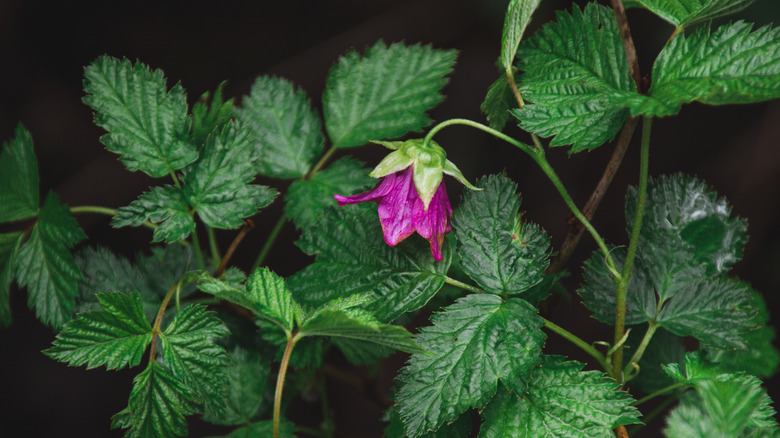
x: 157, y: 406
x: 385, y: 93
x: 498, y: 249
x: 562, y: 401
x: 518, y: 15
x: 45, y: 266
x: 472, y: 345
x: 287, y: 130
x: 9, y: 245
x: 147, y: 124
x: 575, y: 78
x: 19, y: 197
x: 163, y: 205
x: 726, y: 66
x: 682, y: 13
x: 306, y: 199
x: 208, y: 116
x: 498, y: 101
x: 353, y: 258
x: 116, y: 336
x: 217, y: 185
x: 247, y: 375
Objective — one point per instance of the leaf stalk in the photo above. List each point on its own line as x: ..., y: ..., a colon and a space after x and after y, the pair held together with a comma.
x: 292, y: 339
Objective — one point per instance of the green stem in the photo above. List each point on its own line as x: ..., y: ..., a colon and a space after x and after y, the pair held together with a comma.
x: 104, y: 210
x: 198, y: 253
x: 280, y: 381
x: 175, y: 179
x: 623, y: 280
x: 324, y: 159
x: 657, y: 393
x: 462, y: 285
x: 269, y: 242
x: 160, y: 313
x: 627, y: 371
x: 655, y: 412
x: 327, y: 421
x: 571, y: 337
x: 215, y: 255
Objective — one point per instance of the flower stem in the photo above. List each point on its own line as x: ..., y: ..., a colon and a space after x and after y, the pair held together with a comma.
x: 657, y: 393
x: 462, y: 285
x: 269, y: 242
x: 103, y: 210
x: 622, y: 281
x: 280, y: 381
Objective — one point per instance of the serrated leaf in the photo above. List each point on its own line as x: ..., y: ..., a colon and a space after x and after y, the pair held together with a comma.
x: 287, y: 130
x: 9, y: 245
x: 189, y: 351
x: 385, y: 93
x: 45, y: 266
x: 518, y: 15
x: 498, y: 101
x: 157, y: 406
x: 217, y: 185
x: 352, y: 258
x: 575, y: 77
x: 147, y: 124
x: 19, y: 198
x: 263, y: 429
x: 472, y: 345
x: 209, y: 116
x: 163, y: 205
x: 306, y: 199
x: 497, y: 249
x: 247, y: 376
x: 116, y: 336
x: 726, y: 66
x: 562, y: 401
x: 682, y: 13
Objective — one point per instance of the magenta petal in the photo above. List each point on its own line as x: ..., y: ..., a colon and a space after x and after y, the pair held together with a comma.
x: 395, y: 208
x: 380, y: 190
x: 433, y: 224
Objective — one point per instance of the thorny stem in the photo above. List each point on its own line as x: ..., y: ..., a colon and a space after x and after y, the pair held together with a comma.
x: 215, y: 256
x: 623, y: 280
x: 248, y: 225
x: 160, y: 313
x: 651, y: 328
x: 628, y: 41
x: 293, y: 338
x: 104, y: 210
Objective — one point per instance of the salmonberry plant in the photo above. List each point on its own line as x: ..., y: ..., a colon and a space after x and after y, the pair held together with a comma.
x: 212, y: 341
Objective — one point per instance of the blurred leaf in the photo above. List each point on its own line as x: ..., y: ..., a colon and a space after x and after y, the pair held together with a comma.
x: 498, y: 101
x: 682, y: 13
x: 207, y: 116
x: 460, y: 428
x: 247, y: 376
x: 263, y: 429
x: 19, y: 198
x: 9, y: 245
x: 163, y: 205
x: 664, y: 348
x: 518, y: 15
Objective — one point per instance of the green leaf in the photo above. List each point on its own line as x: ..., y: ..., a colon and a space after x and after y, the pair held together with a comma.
x: 288, y: 132
x: 18, y: 178
x: 361, y: 352
x: 45, y: 266
x: 576, y: 77
x: 518, y: 15
x: 190, y: 353
x: 472, y: 345
x: 158, y: 404
x: 730, y: 65
x: 683, y: 13
x: 263, y: 429
x: 352, y: 258
x: 208, y: 117
x: 561, y: 400
x: 247, y: 375
x: 460, y: 428
x: 694, y: 370
x: 497, y: 249
x: 165, y: 206
x: 498, y: 101
x: 664, y: 348
x: 217, y: 185
x: 147, y: 124
x: 116, y: 336
x: 306, y: 199
x: 385, y: 93
x: 9, y: 245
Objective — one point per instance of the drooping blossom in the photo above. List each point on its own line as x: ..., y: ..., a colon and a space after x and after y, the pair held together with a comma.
x: 412, y: 196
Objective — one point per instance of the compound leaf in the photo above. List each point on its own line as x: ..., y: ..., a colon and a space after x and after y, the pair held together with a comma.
x: 385, y: 93
x: 682, y: 13
x: 45, y: 266
x: 19, y: 198
x: 163, y: 205
x: 217, y: 185
x: 116, y: 336
x: 576, y: 77
x: 287, y: 130
x: 472, y: 345
x: 207, y: 116
x: 147, y: 124
x: 9, y: 245
x: 497, y: 249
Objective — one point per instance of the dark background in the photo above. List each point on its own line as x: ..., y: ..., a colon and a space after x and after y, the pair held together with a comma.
x: 44, y: 46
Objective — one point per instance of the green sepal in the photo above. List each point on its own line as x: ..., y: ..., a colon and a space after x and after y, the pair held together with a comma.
x: 452, y: 170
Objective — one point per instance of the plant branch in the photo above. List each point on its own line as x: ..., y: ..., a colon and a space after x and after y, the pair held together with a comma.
x: 269, y: 242
x: 280, y: 380
x: 215, y: 256
x: 658, y: 410
x: 624, y: 279
x: 196, y: 246
x: 574, y: 339
x: 628, y: 41
x: 651, y: 328
x: 657, y: 393
x: 248, y: 225
x: 158, y: 320
x: 462, y: 285
x: 104, y: 210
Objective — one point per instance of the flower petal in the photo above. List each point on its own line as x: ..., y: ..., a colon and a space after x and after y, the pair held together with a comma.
x: 434, y: 223
x: 380, y: 190
x: 395, y: 208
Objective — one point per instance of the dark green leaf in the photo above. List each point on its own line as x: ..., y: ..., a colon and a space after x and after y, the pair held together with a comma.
x: 498, y: 250
x: 190, y: 353
x: 385, y: 93
x: 116, y: 336
x: 247, y: 375
x: 727, y: 66
x: 682, y: 13
x: 19, y: 198
x: 562, y: 401
x: 9, y: 245
x: 472, y: 345
x: 288, y: 130
x: 45, y: 266
x: 306, y: 199
x: 576, y: 77
x: 165, y: 266
x: 208, y: 117
x: 165, y: 206
x: 147, y: 124
x: 518, y: 14
x: 158, y: 404
x: 217, y: 185
x: 352, y: 258
x: 361, y: 352
x: 498, y: 101
x: 263, y: 429
x: 460, y: 428
x: 664, y: 348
